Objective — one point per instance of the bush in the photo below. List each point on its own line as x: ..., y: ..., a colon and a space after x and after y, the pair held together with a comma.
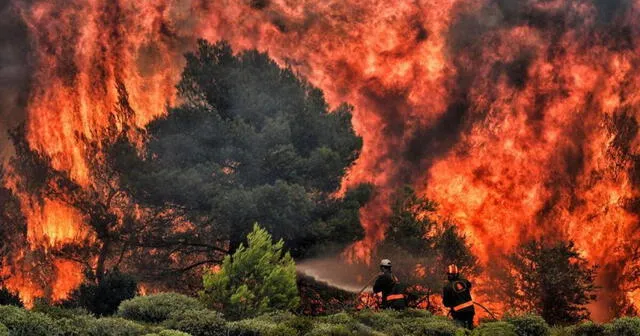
x: 23, y: 323
x: 197, y: 322
x: 75, y: 326
x: 272, y: 274
x: 173, y: 333
x: 378, y: 321
x: 340, y: 318
x: 626, y: 326
x: 168, y: 333
x: 433, y: 328
x: 587, y: 329
x: 325, y: 329
x: 57, y: 312
x: 495, y: 329
x: 104, y: 298
x: 114, y: 326
x: 9, y: 298
x: 529, y: 325
x: 259, y: 327
x: 301, y: 324
x: 157, y: 308
x: 3, y: 330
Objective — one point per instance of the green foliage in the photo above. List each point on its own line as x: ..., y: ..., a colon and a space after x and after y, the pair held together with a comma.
x: 3, y: 330
x: 259, y: 327
x: 251, y: 143
x: 331, y: 330
x: 552, y: 280
x: 430, y: 327
x: 408, y: 322
x: 197, y: 322
x: 76, y: 325
x: 24, y: 323
x: 173, y: 333
x: 104, y: 297
x: 256, y: 279
x: 8, y: 298
x: 587, y: 329
x: 157, y: 307
x: 115, y: 326
x: 626, y: 326
x: 57, y: 312
x: 529, y: 325
x: 495, y: 329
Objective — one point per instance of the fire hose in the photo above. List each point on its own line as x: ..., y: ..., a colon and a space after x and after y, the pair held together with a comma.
x: 486, y: 309
x: 426, y: 297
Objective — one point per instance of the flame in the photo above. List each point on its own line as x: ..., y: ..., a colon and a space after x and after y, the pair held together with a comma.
x: 504, y: 114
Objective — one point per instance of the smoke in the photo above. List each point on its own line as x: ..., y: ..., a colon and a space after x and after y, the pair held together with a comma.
x: 15, y: 72
x: 336, y: 272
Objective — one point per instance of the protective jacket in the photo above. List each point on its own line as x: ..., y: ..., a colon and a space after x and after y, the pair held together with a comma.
x: 456, y: 295
x: 392, y: 292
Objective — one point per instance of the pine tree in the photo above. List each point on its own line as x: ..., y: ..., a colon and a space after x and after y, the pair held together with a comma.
x: 258, y: 278
x: 552, y: 280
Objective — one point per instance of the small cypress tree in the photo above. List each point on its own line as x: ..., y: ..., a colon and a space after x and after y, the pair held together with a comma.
x: 256, y: 279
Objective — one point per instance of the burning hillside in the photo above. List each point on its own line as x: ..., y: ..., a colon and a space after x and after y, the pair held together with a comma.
x: 520, y: 118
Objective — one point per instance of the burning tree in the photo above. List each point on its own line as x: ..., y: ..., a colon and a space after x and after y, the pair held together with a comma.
x: 549, y: 279
x: 119, y: 234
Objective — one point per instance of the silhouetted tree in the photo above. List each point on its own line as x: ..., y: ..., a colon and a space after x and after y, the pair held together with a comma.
x: 103, y: 298
x: 549, y: 279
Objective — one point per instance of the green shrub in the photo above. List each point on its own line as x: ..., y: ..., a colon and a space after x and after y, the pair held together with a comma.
x: 340, y: 318
x: 378, y: 321
x: 325, y: 329
x: 57, y: 312
x: 75, y: 325
x: 561, y: 331
x: 301, y: 324
x: 587, y: 329
x: 197, y: 322
x: 626, y: 326
x: 23, y: 323
x: 157, y: 308
x: 3, y: 330
x: 529, y: 325
x: 259, y: 327
x: 173, y: 333
x: 272, y: 273
x: 434, y: 328
x: 114, y: 326
x: 495, y: 329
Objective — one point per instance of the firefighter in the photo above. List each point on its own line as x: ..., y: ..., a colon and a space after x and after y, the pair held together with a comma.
x: 456, y: 295
x: 390, y: 287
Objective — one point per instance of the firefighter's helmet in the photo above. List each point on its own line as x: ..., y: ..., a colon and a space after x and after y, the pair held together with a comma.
x: 385, y: 263
x: 453, y: 269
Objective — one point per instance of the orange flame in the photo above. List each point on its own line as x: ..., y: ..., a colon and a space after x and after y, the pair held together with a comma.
x: 502, y: 114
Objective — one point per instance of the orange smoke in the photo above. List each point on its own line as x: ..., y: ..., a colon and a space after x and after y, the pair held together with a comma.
x: 518, y: 117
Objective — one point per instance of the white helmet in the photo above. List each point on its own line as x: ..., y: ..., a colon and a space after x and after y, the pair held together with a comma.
x: 385, y: 263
